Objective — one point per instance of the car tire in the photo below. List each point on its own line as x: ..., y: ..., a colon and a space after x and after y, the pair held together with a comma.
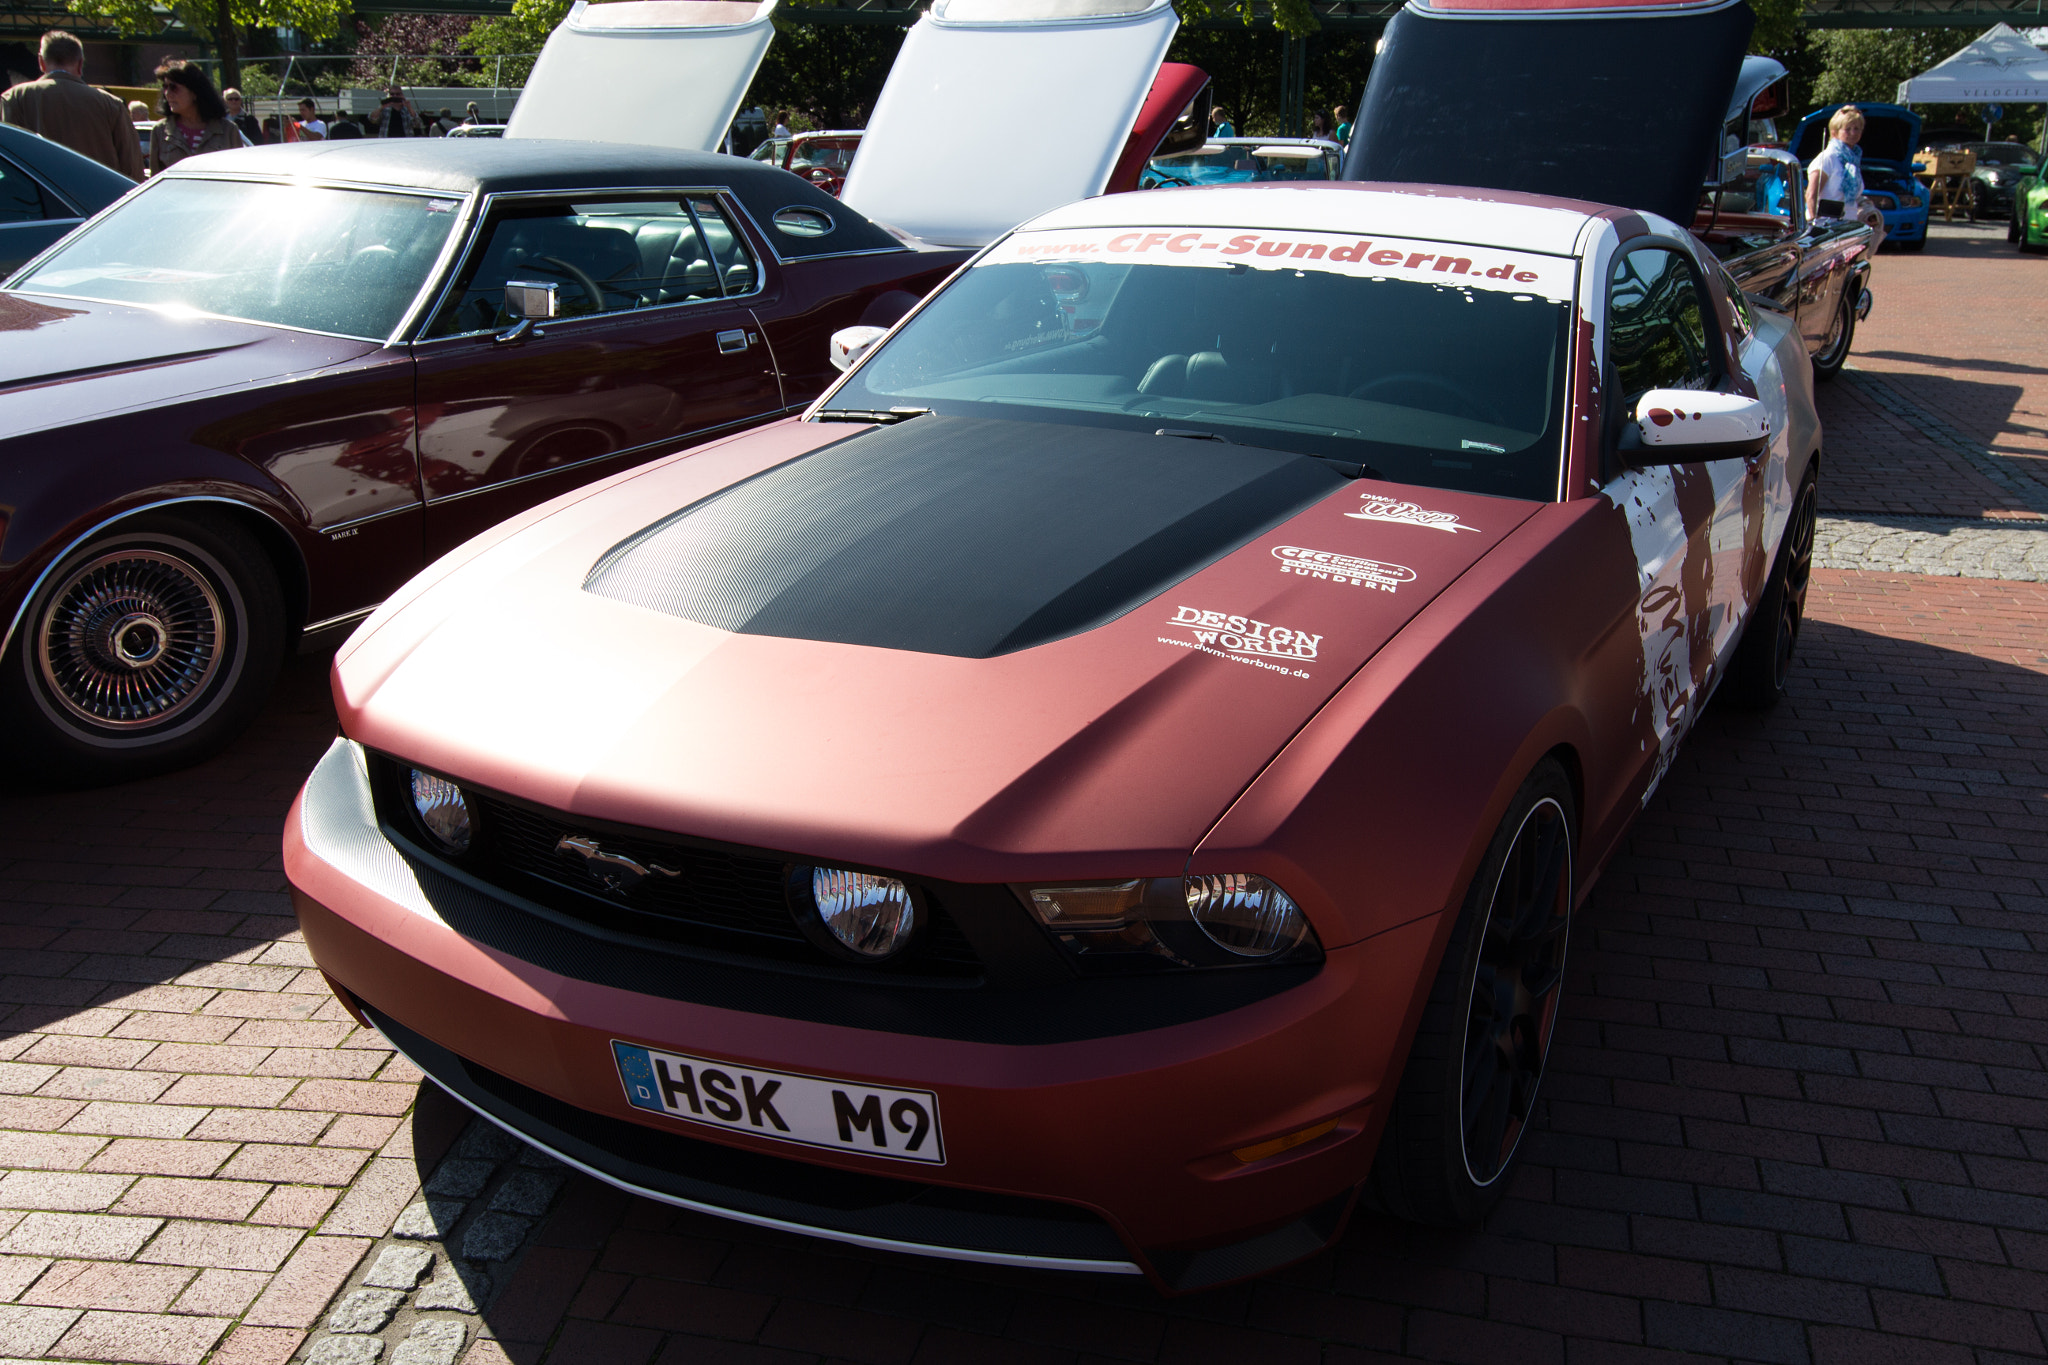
x: 1829, y: 359
x: 2013, y: 230
x: 1484, y: 1048
x: 1763, y: 661
x: 146, y: 649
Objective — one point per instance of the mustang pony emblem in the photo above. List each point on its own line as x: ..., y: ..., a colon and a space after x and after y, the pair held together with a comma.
x: 615, y: 870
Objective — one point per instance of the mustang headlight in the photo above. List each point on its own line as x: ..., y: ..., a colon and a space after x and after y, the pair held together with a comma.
x: 1245, y: 915
x: 860, y: 916
x: 443, y: 812
x: 1149, y: 924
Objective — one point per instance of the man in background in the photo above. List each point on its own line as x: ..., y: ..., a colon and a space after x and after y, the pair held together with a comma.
x: 394, y: 117
x: 310, y: 127
x: 251, y: 129
x: 64, y: 109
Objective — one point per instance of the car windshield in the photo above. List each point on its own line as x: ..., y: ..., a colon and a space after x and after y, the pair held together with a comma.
x: 1223, y: 165
x: 1426, y: 363
x: 2001, y: 153
x: 327, y: 260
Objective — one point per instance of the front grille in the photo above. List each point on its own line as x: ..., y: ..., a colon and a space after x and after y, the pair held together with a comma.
x: 730, y: 900
x: 713, y: 889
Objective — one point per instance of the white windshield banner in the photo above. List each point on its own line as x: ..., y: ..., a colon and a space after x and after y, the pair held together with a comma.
x: 1393, y: 258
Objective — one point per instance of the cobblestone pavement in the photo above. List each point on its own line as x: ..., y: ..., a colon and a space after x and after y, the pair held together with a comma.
x: 1937, y: 465
x: 1798, y: 1110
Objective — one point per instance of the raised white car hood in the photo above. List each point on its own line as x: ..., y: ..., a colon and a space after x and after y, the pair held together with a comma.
x: 655, y: 73
x: 997, y: 110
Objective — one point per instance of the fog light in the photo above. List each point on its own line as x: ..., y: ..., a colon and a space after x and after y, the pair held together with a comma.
x: 1243, y: 914
x: 443, y: 812
x: 869, y: 917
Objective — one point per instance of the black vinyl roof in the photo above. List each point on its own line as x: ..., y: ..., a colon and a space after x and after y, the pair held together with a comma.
x: 465, y: 165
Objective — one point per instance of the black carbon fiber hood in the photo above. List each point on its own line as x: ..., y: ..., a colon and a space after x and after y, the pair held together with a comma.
x: 966, y: 536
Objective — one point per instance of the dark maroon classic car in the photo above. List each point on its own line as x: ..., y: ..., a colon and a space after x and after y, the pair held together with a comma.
x: 244, y: 406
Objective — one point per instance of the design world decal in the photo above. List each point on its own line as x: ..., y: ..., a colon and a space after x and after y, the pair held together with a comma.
x: 1341, y: 568
x: 1244, y: 640
x: 1379, y: 507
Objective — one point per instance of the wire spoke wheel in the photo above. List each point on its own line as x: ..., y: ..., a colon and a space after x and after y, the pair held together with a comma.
x: 1514, y: 992
x: 132, y: 638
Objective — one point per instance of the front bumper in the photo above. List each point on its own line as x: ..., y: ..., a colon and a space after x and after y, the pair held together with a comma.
x: 1108, y: 1155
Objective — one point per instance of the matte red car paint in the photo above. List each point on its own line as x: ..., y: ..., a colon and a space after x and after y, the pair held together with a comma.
x: 1051, y: 1122
x: 886, y: 758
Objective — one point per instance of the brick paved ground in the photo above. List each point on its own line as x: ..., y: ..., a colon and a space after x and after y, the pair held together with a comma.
x: 1798, y: 1111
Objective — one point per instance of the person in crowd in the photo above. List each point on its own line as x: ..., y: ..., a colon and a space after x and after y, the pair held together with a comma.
x: 1344, y: 125
x: 781, y: 124
x: 195, y: 117
x: 309, y: 126
x: 471, y: 115
x: 342, y: 128
x: 1219, y: 124
x: 395, y: 116
x: 251, y: 129
x: 138, y: 112
x: 443, y: 121
x: 63, y: 108
x: 1319, y: 125
x: 1834, y: 180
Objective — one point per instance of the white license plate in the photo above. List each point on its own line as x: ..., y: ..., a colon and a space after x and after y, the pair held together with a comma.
x: 817, y: 1111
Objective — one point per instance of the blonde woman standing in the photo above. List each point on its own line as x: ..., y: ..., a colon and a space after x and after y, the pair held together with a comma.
x: 195, y: 117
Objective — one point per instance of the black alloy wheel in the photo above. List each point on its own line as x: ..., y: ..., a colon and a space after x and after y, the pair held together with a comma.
x: 1763, y: 660
x: 1515, y: 991
x: 146, y: 649
x: 1468, y: 1093
x: 1834, y: 351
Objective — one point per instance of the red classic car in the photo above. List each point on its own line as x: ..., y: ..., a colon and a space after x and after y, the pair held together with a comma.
x: 250, y: 401
x: 1088, y: 796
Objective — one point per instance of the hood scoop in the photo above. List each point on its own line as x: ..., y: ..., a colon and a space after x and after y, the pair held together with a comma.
x: 966, y: 536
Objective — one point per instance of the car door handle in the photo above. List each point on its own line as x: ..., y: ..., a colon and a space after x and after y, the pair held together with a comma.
x: 733, y: 342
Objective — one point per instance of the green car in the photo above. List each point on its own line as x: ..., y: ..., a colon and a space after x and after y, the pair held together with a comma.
x: 2028, y: 227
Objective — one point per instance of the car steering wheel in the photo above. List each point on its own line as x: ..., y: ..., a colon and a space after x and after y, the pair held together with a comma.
x: 1165, y: 179
x: 580, y: 276
x: 1466, y: 404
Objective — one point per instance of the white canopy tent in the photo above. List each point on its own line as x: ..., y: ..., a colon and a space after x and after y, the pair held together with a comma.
x: 2000, y: 67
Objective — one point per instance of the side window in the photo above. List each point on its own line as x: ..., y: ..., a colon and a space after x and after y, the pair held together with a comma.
x: 1657, y: 323
x: 21, y: 199
x: 607, y: 256
x: 1738, y: 302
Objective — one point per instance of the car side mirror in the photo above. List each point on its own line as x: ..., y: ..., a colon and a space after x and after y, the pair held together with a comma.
x: 1686, y: 426
x: 530, y: 302
x: 851, y: 343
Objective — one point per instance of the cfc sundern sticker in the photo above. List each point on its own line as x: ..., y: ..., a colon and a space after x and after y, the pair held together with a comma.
x: 1243, y: 640
x: 1378, y: 507
x: 1328, y: 564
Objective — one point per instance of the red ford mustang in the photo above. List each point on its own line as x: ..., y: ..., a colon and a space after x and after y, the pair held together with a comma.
x: 1126, y: 757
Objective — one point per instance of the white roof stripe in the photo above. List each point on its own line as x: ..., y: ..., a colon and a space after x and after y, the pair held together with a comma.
x: 1432, y: 213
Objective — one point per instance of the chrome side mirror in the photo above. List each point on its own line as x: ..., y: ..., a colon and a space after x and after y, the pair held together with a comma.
x: 851, y: 343
x: 1683, y: 426
x: 531, y: 302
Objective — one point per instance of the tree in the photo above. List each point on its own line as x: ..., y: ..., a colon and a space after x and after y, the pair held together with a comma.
x: 416, y: 36
x: 1868, y: 63
x: 833, y: 72
x: 221, y: 21
x: 524, y: 31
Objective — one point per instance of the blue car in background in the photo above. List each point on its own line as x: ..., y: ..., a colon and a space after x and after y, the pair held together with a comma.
x: 1891, y: 134
x: 1245, y: 161
x: 45, y: 191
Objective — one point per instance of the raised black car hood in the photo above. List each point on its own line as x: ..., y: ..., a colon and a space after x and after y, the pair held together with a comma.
x: 959, y: 535
x: 1569, y: 104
